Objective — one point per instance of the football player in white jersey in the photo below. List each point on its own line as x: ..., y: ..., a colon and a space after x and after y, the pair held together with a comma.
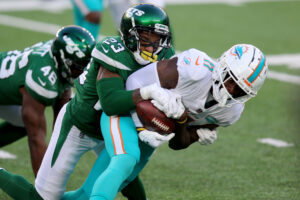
x: 213, y: 94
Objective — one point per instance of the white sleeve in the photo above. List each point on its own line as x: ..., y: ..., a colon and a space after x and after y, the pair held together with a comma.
x: 143, y: 77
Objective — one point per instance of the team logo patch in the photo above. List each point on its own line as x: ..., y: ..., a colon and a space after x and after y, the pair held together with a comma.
x: 239, y: 51
x: 72, y: 48
x: 134, y: 11
x: 186, y: 60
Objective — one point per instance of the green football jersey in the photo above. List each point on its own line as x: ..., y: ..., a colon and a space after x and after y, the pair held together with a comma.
x: 84, y: 109
x: 33, y: 68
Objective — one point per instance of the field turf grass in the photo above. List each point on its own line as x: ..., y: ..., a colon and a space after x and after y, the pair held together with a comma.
x: 236, y: 166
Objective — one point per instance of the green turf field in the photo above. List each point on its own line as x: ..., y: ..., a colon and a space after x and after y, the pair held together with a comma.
x: 236, y: 166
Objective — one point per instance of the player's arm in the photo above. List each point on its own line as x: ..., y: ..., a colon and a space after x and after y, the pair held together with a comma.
x: 91, y: 16
x: 35, y: 123
x: 187, y: 135
x: 58, y: 104
x: 115, y: 100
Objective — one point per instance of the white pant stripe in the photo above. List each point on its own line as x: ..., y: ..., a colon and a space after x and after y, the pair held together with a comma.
x: 116, y: 135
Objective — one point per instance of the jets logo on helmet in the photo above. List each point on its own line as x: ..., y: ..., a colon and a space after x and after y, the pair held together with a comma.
x: 71, y: 47
x: 246, y: 65
x: 133, y: 11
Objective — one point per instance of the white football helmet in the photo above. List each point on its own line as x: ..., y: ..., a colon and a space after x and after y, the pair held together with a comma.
x: 247, y: 66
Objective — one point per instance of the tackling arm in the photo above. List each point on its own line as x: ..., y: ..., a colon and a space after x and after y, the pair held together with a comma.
x: 35, y: 123
x: 115, y: 100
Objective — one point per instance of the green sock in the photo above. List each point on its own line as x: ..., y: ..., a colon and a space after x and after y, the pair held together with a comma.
x: 17, y: 187
x: 10, y: 133
x: 135, y: 190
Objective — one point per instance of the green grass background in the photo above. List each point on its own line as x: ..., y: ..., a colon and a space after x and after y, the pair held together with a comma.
x: 236, y: 166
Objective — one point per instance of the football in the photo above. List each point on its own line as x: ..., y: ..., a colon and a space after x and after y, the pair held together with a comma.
x: 153, y: 119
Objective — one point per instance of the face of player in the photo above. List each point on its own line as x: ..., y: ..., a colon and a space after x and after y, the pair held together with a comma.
x: 233, y: 88
x: 149, y: 41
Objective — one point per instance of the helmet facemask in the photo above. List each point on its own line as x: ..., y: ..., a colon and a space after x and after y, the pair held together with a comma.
x: 221, y: 75
x: 145, y: 57
x: 70, y: 70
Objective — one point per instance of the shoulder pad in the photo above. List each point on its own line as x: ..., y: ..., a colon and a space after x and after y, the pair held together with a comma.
x: 108, y: 50
x: 195, y: 65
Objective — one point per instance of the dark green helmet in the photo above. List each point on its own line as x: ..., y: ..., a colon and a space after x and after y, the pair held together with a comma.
x: 72, y: 48
x: 148, y: 18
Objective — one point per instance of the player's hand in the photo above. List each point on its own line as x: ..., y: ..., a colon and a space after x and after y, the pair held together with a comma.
x: 206, y: 136
x: 154, y: 139
x: 93, y: 17
x: 165, y: 100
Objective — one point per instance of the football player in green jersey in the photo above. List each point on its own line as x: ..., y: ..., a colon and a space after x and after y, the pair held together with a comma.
x: 145, y: 38
x: 39, y: 76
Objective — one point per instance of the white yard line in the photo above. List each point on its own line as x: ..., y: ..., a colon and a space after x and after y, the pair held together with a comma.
x: 48, y: 6
x: 291, y: 60
x: 284, y: 77
x: 27, y: 24
x: 275, y: 142
x: 7, y: 155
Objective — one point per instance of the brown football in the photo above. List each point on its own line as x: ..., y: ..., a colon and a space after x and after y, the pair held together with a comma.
x: 153, y: 119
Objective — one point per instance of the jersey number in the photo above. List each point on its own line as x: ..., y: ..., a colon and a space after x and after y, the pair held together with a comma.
x: 116, y: 47
x: 8, y: 64
x: 52, y: 75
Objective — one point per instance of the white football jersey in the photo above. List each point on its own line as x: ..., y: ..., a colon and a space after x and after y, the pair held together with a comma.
x: 194, y: 85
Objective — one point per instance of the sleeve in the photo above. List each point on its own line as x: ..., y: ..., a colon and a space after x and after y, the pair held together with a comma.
x: 114, y: 99
x: 42, y: 85
x: 144, y: 76
x: 105, y: 52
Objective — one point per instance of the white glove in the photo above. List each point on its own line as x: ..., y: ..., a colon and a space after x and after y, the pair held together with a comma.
x: 165, y: 100
x: 206, y: 136
x: 154, y: 139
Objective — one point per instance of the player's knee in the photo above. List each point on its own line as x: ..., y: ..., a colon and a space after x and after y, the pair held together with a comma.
x: 124, y: 164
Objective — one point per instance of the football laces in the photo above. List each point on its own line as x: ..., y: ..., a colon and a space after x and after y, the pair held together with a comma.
x: 158, y: 123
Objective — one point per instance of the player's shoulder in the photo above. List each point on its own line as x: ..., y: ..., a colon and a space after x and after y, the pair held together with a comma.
x: 195, y: 64
x: 40, y: 49
x: 197, y: 55
x: 112, y: 53
x: 42, y: 83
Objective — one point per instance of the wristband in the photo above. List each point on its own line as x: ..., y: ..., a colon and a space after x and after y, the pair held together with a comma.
x: 182, y: 121
x: 140, y: 129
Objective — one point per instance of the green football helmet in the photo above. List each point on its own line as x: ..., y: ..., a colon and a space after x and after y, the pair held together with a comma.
x: 148, y: 18
x: 72, y: 48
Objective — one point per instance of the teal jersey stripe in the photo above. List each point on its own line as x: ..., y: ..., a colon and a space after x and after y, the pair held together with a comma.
x: 208, y: 64
x: 258, y: 69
